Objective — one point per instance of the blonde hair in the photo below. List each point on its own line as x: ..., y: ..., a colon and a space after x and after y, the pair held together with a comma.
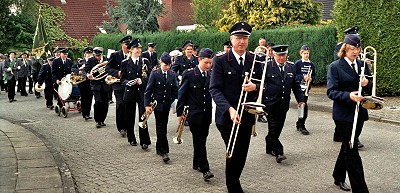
x: 342, y: 51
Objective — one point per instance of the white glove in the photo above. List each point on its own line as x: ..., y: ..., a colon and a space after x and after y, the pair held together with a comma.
x: 58, y: 82
x: 31, y: 76
x: 9, y: 69
x: 179, y: 77
x: 131, y: 82
x: 18, y: 67
x: 138, y: 81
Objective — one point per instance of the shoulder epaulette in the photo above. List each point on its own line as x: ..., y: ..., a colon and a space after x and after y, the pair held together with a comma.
x: 190, y: 69
x: 220, y: 53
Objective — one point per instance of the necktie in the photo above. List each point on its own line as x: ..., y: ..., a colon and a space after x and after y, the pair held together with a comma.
x: 165, y: 75
x: 241, y: 61
x: 282, y: 69
x: 136, y: 62
x: 354, y: 67
x: 204, y: 74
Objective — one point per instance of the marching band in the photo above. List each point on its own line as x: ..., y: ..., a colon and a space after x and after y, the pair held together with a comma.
x: 233, y: 79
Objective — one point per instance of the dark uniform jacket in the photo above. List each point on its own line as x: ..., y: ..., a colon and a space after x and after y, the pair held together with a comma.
x: 10, y: 74
x: 35, y: 68
x: 45, y: 75
x: 302, y: 69
x: 60, y: 70
x: 341, y: 81
x: 75, y: 70
x: 226, y: 85
x: 23, y: 69
x: 96, y: 85
x: 114, y: 66
x: 277, y: 89
x: 153, y: 59
x: 131, y: 71
x: 182, y: 63
x: 194, y: 92
x: 164, y: 91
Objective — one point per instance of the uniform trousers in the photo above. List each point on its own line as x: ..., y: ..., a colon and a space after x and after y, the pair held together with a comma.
x: 276, y: 120
x: 100, y: 105
x: 234, y: 165
x: 302, y: 121
x: 199, y: 135
x: 22, y: 85
x: 35, y: 77
x: 119, y: 109
x: 349, y: 159
x: 56, y: 96
x: 48, y: 94
x: 11, y: 88
x: 86, y: 98
x: 30, y: 80
x: 161, y: 131
x: 130, y: 121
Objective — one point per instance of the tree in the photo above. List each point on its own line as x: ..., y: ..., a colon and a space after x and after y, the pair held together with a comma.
x: 206, y: 12
x: 17, y: 24
x: 270, y: 13
x: 138, y: 15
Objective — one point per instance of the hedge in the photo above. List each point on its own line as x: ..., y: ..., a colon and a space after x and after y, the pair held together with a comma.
x: 321, y: 39
x: 379, y: 27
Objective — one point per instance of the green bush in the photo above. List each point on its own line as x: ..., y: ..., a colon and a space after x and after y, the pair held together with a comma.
x: 321, y: 39
x: 379, y: 27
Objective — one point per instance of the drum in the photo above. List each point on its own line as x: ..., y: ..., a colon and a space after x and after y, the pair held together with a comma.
x: 41, y: 88
x: 65, y: 88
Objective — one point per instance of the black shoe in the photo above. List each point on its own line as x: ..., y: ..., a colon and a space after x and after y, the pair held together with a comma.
x: 342, y: 185
x: 280, y: 158
x: 271, y: 152
x: 303, y: 130
x: 262, y: 119
x: 30, y: 92
x: 48, y: 106
x: 197, y: 168
x: 98, y: 125
x: 133, y: 143
x: 359, y: 145
x: 165, y: 157
x: 145, y: 146
x: 38, y: 96
x: 103, y: 124
x: 186, y: 123
x: 337, y: 139
x: 87, y: 118
x: 123, y: 133
x: 51, y: 107
x: 207, y: 175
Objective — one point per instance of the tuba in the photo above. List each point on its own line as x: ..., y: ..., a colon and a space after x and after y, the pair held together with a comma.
x: 255, y: 108
x: 99, y: 71
x: 181, y: 126
x: 146, y: 116
x: 111, y: 79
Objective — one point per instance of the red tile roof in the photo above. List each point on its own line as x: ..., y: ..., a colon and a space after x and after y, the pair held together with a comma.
x: 82, y: 17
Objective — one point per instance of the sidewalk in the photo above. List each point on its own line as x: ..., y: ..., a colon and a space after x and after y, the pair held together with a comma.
x: 319, y: 101
x: 27, y: 164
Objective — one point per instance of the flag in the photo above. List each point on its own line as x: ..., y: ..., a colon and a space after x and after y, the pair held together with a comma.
x: 40, y: 38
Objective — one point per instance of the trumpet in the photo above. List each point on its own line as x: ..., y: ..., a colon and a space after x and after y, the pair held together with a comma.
x: 181, y: 126
x: 145, y: 69
x: 307, y: 84
x: 146, y: 116
x: 255, y: 108
x: 111, y: 79
x: 77, y: 78
x: 99, y: 71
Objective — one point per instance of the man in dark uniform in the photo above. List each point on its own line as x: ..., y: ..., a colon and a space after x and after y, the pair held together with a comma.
x: 10, y: 72
x: 99, y: 87
x: 305, y: 74
x: 151, y: 55
x: 45, y: 76
x: 227, y: 46
x: 35, y: 69
x: 135, y: 71
x: 113, y: 68
x: 194, y: 92
x: 61, y: 67
x: 162, y: 87
x: 342, y: 87
x: 351, y: 30
x: 23, y: 72
x: 84, y: 87
x: 280, y: 80
x: 226, y: 85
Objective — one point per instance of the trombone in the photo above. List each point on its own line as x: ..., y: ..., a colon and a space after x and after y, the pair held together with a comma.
x: 255, y: 108
x: 369, y: 102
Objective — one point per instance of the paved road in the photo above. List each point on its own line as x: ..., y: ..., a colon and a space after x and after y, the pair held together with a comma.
x: 101, y: 161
